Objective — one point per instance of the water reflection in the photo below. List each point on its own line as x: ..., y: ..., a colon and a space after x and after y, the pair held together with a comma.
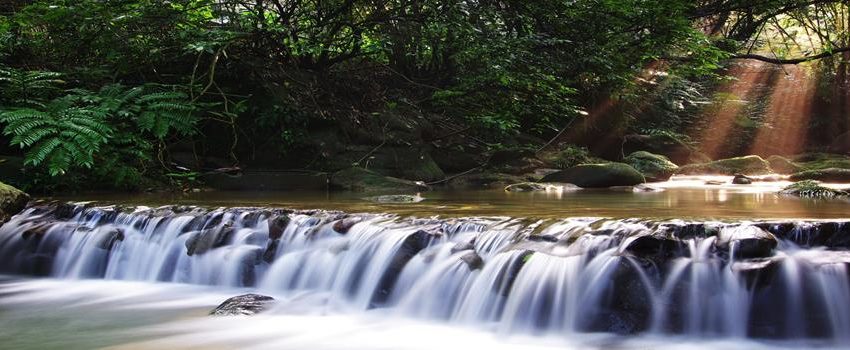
x: 687, y: 197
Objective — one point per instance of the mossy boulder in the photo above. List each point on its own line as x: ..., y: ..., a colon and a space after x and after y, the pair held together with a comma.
x: 834, y: 175
x: 675, y: 149
x: 359, y: 179
x: 12, y: 201
x: 811, y: 189
x: 819, y: 161
x: 747, y: 165
x: 598, y: 175
x: 654, y: 167
x: 569, y: 157
x: 485, y: 179
x: 782, y: 165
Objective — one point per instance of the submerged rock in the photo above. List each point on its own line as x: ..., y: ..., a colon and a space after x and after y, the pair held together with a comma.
x: 598, y: 175
x: 654, y: 167
x: 243, y: 305
x: 396, y: 198
x: 540, y: 187
x: 747, y: 165
x: 811, y: 189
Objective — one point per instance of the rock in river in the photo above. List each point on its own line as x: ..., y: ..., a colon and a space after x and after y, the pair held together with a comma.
x: 243, y: 305
x: 598, y: 175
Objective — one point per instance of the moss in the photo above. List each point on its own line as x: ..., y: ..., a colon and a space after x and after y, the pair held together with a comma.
x: 747, y: 165
x: 569, y: 157
x: 826, y: 175
x: 820, y: 161
x: 359, y: 179
x: 654, y: 167
x: 598, y: 175
x: 783, y: 165
x: 12, y: 201
x: 484, y: 180
x: 811, y: 189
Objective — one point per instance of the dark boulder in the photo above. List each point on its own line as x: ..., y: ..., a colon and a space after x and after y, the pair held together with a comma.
x: 342, y: 226
x: 412, y: 245
x: 243, y: 305
x: 748, y: 242
x: 598, y: 175
x: 277, y: 224
x: 201, y: 242
x: 472, y: 260
x: 740, y: 179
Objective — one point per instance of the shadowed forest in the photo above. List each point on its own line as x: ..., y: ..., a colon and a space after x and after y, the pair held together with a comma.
x: 183, y: 94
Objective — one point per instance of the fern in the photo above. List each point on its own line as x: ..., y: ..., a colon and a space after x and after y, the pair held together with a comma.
x: 59, y: 137
x: 28, y: 88
x: 157, y: 112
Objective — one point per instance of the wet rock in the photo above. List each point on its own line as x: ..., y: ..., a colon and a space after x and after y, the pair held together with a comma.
x: 202, y: 241
x: 359, y: 179
x: 243, y: 305
x: 598, y: 175
x: 396, y: 198
x: 654, y: 167
x: 747, y: 165
x: 833, y: 175
x: 461, y: 246
x: 811, y: 189
x: 656, y: 246
x: 526, y: 187
x: 484, y: 180
x: 714, y: 182
x: 277, y: 224
x: 473, y: 261
x: 748, y: 242
x: 412, y: 245
x: 12, y: 201
x: 741, y: 179
x: 114, y: 235
x: 271, y: 251
x: 342, y: 226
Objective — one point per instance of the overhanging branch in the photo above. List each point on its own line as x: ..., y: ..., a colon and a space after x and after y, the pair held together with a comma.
x: 797, y: 60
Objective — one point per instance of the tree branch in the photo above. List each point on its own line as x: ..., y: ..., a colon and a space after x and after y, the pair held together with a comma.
x: 797, y: 60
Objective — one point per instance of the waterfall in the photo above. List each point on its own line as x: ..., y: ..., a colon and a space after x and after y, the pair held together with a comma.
x: 701, y: 279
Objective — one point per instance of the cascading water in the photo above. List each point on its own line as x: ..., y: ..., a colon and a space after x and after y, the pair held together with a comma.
x: 702, y: 279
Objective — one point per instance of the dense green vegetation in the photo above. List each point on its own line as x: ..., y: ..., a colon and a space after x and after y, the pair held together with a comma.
x: 138, y: 94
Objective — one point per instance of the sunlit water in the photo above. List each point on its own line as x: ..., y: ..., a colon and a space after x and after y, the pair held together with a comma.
x: 460, y: 270
x: 684, y: 197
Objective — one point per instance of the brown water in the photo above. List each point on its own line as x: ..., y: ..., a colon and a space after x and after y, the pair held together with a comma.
x: 684, y: 198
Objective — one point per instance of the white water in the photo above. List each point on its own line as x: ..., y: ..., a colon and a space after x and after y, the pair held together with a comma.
x: 487, y: 279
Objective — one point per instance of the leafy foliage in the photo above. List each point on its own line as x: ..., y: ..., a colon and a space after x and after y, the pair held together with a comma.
x: 72, y: 131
